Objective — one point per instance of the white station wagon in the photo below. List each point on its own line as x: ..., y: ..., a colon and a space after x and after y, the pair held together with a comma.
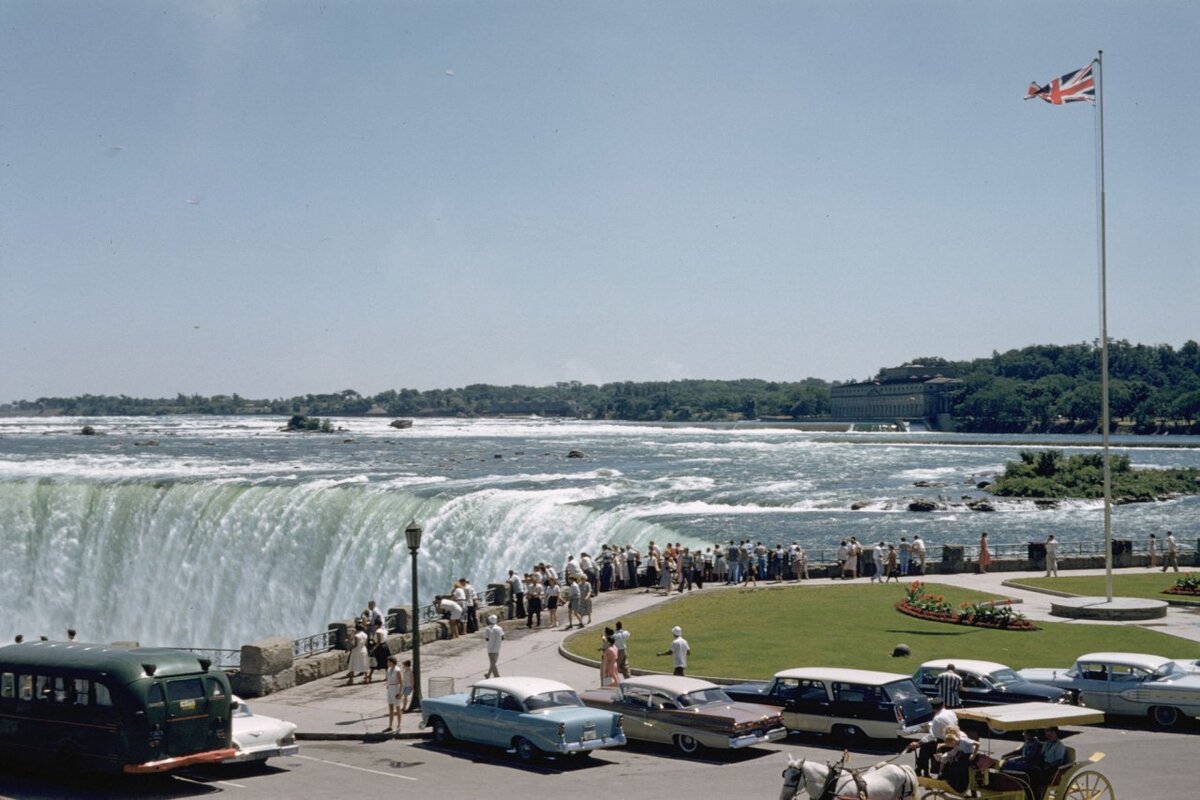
x: 1133, y: 684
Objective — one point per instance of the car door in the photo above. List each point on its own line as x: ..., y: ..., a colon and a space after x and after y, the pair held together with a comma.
x: 478, y: 715
x: 1122, y: 678
x: 1091, y: 678
x: 634, y: 703
x: 661, y: 717
x: 507, y: 723
x: 977, y: 691
x: 809, y: 708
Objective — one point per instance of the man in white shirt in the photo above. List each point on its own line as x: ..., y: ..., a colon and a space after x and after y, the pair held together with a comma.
x: 1171, y: 557
x: 918, y: 551
x: 877, y: 557
x: 678, y: 650
x: 927, y: 744
x: 620, y: 638
x: 493, y: 634
x: 1051, y: 556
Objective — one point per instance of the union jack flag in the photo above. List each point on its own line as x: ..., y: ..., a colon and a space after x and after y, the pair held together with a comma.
x: 1074, y: 87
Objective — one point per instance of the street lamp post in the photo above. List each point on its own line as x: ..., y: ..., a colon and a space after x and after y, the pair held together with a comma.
x: 413, y: 535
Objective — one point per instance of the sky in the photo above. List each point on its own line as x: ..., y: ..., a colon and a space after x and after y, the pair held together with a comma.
x: 277, y: 198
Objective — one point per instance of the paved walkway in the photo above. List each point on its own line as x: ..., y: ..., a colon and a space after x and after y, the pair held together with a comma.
x: 329, y: 709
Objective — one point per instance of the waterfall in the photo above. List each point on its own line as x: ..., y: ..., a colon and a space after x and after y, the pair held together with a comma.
x: 221, y: 563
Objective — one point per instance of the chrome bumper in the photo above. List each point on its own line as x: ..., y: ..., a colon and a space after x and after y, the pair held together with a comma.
x: 590, y: 744
x: 773, y: 735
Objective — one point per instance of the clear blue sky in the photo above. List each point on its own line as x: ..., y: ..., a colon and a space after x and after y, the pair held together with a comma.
x: 275, y: 198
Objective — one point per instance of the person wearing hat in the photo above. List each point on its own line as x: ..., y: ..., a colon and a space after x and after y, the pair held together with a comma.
x: 493, y: 634
x: 679, y: 650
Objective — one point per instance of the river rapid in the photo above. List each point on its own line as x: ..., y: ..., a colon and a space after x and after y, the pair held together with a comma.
x: 216, y: 531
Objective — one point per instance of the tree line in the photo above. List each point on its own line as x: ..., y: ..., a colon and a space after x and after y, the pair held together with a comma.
x: 1040, y: 388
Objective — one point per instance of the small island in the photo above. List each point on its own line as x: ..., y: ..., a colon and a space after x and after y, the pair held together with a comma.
x: 1047, y: 474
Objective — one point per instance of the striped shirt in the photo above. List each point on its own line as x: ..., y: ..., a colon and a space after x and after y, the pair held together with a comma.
x: 948, y: 684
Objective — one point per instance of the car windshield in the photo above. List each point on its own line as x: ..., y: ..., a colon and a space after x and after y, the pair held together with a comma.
x: 1003, y: 677
x: 562, y: 697
x: 1168, y: 670
x: 902, y: 690
x: 702, y: 697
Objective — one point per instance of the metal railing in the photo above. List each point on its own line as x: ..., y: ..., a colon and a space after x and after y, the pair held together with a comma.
x: 227, y: 660
x: 316, y: 643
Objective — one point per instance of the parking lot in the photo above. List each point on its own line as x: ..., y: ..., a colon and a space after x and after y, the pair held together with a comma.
x: 1142, y: 764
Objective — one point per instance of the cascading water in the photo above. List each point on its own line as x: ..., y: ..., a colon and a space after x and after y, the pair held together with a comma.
x: 217, y: 531
x: 220, y: 564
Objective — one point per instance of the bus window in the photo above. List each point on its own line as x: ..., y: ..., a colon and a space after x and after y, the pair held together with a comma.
x: 103, y: 698
x: 59, y: 692
x: 82, y: 689
x: 214, y: 689
x: 41, y: 688
x: 190, y: 689
x: 26, y: 687
x: 155, y: 697
x: 8, y: 685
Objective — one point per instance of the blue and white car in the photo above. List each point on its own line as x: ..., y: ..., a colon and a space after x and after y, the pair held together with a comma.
x: 1133, y: 684
x: 525, y: 716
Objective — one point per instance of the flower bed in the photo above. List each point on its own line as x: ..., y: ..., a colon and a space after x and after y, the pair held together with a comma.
x: 1188, y: 585
x: 992, y: 614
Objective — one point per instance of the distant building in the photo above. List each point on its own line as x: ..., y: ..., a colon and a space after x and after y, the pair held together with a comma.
x: 906, y: 393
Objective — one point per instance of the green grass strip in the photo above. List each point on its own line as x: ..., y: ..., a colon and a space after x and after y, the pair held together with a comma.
x: 755, y: 633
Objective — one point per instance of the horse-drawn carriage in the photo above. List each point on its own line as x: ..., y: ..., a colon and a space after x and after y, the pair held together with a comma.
x: 1071, y: 780
x: 987, y: 779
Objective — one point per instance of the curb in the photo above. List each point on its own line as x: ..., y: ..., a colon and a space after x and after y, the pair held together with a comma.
x: 360, y: 737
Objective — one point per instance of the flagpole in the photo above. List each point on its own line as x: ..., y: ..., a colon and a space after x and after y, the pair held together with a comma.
x: 1104, y: 410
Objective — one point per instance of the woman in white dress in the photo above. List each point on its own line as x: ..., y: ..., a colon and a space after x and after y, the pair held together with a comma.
x: 358, y: 655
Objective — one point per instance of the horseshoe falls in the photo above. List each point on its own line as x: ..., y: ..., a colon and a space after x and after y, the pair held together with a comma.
x: 216, y: 531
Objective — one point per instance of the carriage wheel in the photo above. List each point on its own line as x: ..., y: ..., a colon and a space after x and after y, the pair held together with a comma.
x: 1088, y: 785
x: 937, y: 794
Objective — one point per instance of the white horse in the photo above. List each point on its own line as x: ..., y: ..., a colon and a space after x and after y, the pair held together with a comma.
x: 882, y: 782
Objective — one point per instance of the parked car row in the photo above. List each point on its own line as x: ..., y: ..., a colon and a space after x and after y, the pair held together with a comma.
x: 528, y: 716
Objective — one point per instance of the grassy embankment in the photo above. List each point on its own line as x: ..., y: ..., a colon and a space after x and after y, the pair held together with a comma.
x: 1149, y: 585
x: 754, y: 633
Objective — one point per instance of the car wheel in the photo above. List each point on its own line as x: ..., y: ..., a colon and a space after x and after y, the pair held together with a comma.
x: 851, y: 733
x: 441, y: 733
x: 1165, y: 716
x: 526, y: 751
x: 687, y: 744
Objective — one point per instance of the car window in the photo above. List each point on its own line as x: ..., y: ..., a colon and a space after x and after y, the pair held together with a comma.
x: 812, y: 692
x: 635, y: 696
x: 971, y: 681
x: 925, y: 676
x: 900, y: 691
x: 1003, y: 677
x: 702, y: 697
x: 660, y: 700
x: 785, y: 688
x: 851, y: 692
x: 556, y: 699
x: 509, y: 703
x: 1127, y: 673
x: 484, y: 697
x: 1093, y: 672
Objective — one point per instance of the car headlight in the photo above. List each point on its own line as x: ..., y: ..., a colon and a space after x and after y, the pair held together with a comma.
x: 289, y: 739
x: 620, y: 721
x: 562, y: 730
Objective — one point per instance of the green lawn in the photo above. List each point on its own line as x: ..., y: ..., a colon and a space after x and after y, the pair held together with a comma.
x: 1140, y: 584
x: 755, y: 633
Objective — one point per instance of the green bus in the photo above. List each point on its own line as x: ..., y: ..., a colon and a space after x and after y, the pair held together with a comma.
x: 112, y: 709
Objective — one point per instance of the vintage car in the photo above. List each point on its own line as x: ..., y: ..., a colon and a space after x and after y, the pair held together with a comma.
x: 1133, y: 684
x: 257, y: 737
x: 986, y: 683
x: 688, y: 713
x: 849, y: 703
x: 525, y: 716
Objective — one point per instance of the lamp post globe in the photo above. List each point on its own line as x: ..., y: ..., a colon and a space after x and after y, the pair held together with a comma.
x: 412, y: 535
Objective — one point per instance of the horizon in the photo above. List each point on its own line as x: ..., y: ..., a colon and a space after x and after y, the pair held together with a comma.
x: 270, y: 197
